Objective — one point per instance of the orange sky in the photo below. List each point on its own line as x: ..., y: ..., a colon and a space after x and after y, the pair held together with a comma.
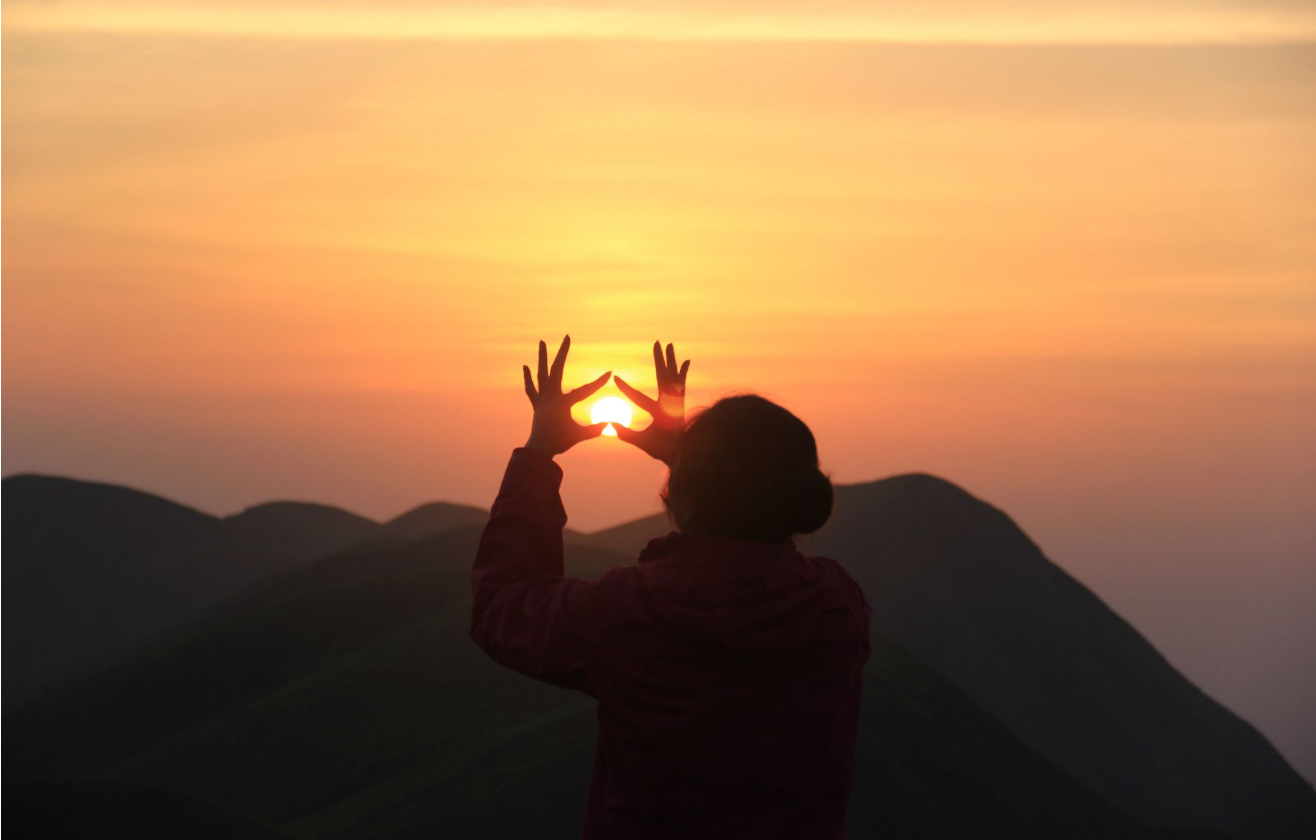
x: 296, y: 252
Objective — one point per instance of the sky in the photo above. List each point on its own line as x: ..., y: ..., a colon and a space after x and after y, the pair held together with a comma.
x: 1061, y: 254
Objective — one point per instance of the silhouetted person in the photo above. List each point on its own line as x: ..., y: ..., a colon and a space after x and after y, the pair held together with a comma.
x: 726, y: 663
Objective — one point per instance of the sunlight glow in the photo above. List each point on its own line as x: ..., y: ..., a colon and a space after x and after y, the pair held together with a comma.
x: 611, y: 410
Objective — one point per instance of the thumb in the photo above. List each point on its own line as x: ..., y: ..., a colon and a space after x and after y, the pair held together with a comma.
x: 593, y: 430
x: 627, y: 434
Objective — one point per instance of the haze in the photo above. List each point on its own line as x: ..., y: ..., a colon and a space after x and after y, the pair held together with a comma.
x: 1063, y: 256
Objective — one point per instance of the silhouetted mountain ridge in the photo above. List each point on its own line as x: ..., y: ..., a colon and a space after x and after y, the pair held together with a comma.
x: 956, y: 582
x: 92, y: 570
x: 305, y: 527
x: 345, y: 700
x: 434, y: 518
x: 326, y: 652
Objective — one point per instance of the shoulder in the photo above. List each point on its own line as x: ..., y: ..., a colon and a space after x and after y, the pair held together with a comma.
x: 856, y: 604
x: 843, y: 581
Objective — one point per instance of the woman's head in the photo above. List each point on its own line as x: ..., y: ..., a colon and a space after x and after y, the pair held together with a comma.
x: 747, y: 469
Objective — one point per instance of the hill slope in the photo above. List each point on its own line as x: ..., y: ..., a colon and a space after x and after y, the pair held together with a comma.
x: 956, y: 582
x: 93, y: 570
x: 952, y: 580
x: 346, y: 700
x: 434, y: 518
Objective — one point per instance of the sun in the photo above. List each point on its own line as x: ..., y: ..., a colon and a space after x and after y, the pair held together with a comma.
x: 611, y: 410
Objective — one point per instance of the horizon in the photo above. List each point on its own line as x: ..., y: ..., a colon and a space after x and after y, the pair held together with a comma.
x: 382, y: 520
x: 1060, y: 256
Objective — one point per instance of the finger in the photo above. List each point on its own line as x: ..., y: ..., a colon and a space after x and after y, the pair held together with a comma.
x: 584, y: 391
x: 634, y: 438
x: 626, y: 433
x: 659, y: 367
x: 594, y: 430
x: 671, y: 362
x: 559, y: 362
x: 543, y: 365
x: 530, y: 385
x: 641, y: 401
x: 685, y: 367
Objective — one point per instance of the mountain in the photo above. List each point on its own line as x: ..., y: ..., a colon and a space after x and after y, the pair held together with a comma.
x: 341, y: 696
x: 345, y: 699
x: 95, y: 808
x: 89, y: 570
x: 92, y: 570
x: 957, y: 583
x: 435, y: 518
x: 299, y: 529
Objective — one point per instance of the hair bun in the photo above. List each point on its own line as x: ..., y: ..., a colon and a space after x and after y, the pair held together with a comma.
x: 747, y: 470
x: 812, y: 503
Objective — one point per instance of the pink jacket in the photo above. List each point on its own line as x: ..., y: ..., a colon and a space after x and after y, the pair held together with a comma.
x: 727, y: 671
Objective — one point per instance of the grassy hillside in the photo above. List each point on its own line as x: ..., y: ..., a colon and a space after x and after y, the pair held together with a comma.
x: 343, y: 697
x: 346, y: 700
x: 93, y: 571
x: 957, y: 583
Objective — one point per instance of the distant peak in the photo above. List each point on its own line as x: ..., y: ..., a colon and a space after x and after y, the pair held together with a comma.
x: 434, y: 518
x: 43, y: 479
x: 927, y: 497
x: 293, y: 508
x: 437, y: 507
x: 39, y: 488
x: 921, y: 479
x: 915, y: 484
x: 21, y: 478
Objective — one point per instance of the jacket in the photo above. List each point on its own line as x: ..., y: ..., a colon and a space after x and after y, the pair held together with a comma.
x: 727, y: 672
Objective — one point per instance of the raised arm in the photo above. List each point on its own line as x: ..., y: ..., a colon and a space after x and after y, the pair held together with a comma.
x: 525, y: 614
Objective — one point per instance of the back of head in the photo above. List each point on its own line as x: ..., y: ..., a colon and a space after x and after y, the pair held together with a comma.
x: 748, y: 469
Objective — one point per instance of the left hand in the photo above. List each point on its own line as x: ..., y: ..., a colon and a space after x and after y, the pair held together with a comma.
x: 553, y: 431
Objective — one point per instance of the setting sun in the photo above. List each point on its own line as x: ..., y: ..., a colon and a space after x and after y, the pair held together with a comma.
x: 611, y: 410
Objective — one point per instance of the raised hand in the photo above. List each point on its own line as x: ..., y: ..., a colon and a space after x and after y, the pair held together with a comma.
x: 661, y: 437
x: 553, y: 430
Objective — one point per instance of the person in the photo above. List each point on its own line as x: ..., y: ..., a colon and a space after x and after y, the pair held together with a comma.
x: 725, y: 662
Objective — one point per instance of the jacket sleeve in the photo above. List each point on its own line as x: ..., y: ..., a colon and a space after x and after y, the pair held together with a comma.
x: 525, y: 614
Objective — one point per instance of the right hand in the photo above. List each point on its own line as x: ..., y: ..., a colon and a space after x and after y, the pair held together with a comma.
x: 661, y: 437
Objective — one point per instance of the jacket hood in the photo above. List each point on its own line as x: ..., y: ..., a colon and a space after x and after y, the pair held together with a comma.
x: 760, y: 598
